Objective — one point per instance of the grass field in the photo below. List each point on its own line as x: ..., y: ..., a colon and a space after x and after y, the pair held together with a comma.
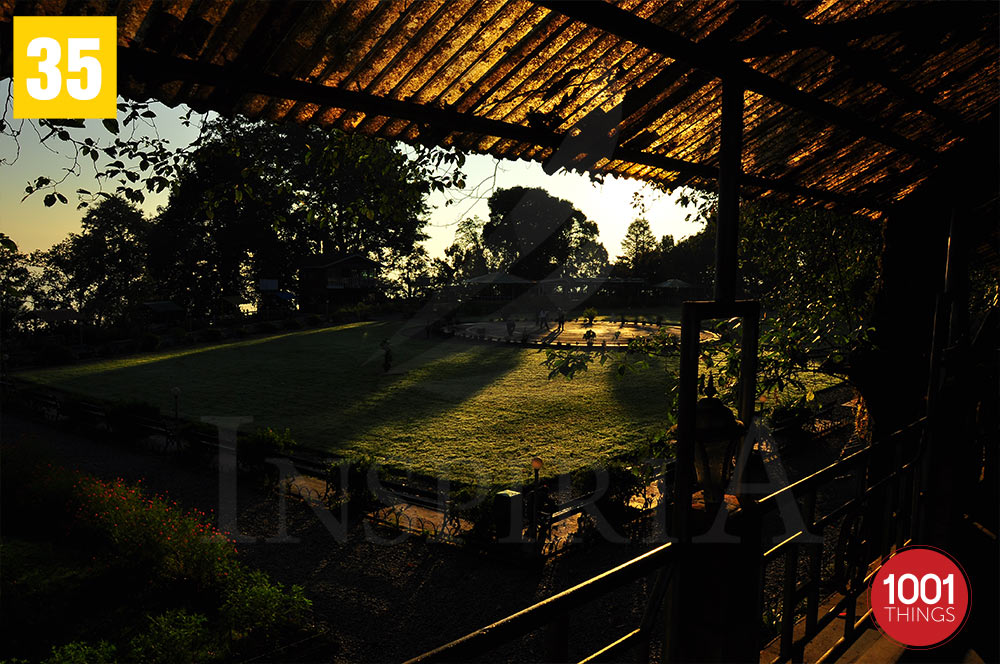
x: 473, y: 411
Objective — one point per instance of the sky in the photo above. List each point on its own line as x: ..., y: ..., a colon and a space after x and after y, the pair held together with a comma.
x: 33, y: 226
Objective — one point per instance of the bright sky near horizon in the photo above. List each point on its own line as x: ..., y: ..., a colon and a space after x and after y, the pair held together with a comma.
x: 33, y: 226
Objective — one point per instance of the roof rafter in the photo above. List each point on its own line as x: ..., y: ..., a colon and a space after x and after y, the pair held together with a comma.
x: 153, y: 67
x: 633, y: 123
x: 861, y: 65
x: 632, y: 28
x: 928, y: 19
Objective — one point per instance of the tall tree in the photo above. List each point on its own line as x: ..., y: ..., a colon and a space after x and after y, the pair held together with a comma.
x: 692, y: 259
x: 104, y: 266
x: 466, y: 256
x: 588, y: 259
x: 638, y: 247
x: 14, y: 277
x: 533, y: 234
x: 255, y: 199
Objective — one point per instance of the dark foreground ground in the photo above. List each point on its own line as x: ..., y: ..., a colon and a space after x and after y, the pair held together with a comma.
x: 382, y: 596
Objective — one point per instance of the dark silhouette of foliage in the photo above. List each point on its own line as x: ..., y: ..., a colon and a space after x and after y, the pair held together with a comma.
x: 639, y: 248
x: 535, y: 235
x: 256, y: 199
x: 100, y: 271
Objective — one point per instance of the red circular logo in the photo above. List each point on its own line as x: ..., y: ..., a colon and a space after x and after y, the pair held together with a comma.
x: 920, y: 597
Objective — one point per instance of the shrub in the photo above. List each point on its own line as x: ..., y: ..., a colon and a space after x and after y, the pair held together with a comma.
x: 292, y: 324
x: 253, y: 450
x: 149, y: 342
x: 240, y: 332
x: 589, y: 337
x: 151, y: 534
x: 173, y: 637
x: 475, y: 507
x: 52, y: 353
x: 255, y: 604
x: 211, y: 334
x: 659, y: 320
x: 589, y: 314
x: 266, y: 327
x: 357, y: 492
x: 313, y: 320
x: 176, y: 333
x: 81, y: 652
x: 154, y: 553
x: 360, y: 311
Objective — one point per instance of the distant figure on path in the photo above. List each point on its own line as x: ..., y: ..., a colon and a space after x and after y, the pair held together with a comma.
x: 510, y: 327
x: 544, y: 318
x: 561, y: 320
x: 387, y: 359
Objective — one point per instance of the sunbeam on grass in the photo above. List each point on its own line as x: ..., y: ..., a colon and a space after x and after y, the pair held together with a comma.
x: 471, y: 411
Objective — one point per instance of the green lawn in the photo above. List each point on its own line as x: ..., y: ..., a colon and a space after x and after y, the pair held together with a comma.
x: 468, y: 410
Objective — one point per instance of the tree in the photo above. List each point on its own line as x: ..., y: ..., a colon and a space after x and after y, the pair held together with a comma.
x: 49, y: 287
x: 103, y: 267
x: 255, y: 199
x: 812, y: 271
x: 466, y: 256
x: 638, y: 247
x: 535, y: 235
x: 415, y: 273
x: 14, y: 278
x: 692, y: 259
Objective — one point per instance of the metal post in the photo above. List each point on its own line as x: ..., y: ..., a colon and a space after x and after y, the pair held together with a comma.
x: 534, y: 510
x: 688, y: 397
x: 730, y: 167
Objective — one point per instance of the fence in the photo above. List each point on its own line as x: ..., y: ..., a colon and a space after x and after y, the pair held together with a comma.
x: 554, y: 614
x: 873, y: 521
x: 860, y: 548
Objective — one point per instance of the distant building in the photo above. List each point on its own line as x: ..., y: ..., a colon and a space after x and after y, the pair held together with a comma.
x: 329, y: 282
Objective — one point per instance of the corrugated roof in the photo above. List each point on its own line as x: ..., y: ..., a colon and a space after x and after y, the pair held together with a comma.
x: 854, y: 100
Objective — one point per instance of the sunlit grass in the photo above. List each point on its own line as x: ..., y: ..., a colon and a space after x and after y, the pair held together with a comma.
x: 468, y: 410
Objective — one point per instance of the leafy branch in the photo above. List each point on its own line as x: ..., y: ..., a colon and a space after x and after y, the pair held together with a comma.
x: 130, y: 160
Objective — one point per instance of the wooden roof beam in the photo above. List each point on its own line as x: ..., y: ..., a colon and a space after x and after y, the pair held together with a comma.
x: 634, y: 123
x: 927, y: 20
x: 862, y: 66
x: 155, y: 68
x: 723, y: 64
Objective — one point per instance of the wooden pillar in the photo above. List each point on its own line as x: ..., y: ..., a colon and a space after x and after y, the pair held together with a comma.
x: 730, y: 168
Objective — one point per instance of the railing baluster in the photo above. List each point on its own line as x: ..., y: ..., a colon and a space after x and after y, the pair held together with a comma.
x: 788, y: 600
x: 815, y: 552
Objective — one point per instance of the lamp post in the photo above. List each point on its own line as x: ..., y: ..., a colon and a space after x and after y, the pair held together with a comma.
x: 536, y: 464
x: 717, y: 435
x: 176, y: 391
